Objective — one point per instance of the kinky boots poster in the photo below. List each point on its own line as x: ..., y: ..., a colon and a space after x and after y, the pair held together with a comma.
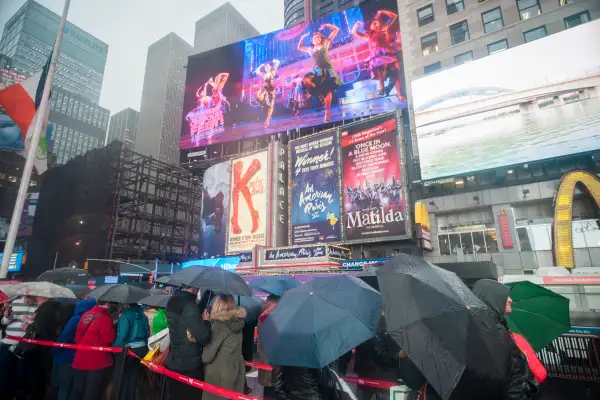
x: 248, y: 202
x: 375, y: 203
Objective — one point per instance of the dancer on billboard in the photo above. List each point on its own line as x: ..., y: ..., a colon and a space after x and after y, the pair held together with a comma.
x: 218, y: 99
x: 299, y: 94
x: 240, y: 185
x: 202, y: 99
x: 383, y: 62
x: 325, y: 80
x: 266, y: 96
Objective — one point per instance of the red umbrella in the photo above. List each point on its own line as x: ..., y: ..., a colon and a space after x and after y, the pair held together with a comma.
x: 4, y: 298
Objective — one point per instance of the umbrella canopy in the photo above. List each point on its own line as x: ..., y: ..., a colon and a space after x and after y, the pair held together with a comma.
x: 41, y: 289
x: 447, y: 332
x: 253, y: 306
x: 276, y: 285
x: 370, y: 278
x: 316, y: 323
x: 156, y: 300
x: 539, y: 314
x: 209, y: 278
x: 117, y: 293
x: 65, y: 275
x: 5, y: 298
x: 79, y: 290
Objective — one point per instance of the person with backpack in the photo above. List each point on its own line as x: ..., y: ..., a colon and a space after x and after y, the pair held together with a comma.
x: 92, y: 368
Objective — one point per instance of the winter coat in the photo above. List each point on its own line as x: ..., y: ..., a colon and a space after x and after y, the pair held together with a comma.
x: 159, y: 321
x: 222, y: 356
x: 377, y: 358
x: 521, y: 384
x: 66, y: 356
x: 295, y: 383
x: 265, y: 378
x: 133, y: 328
x: 183, y: 316
x: 414, y: 379
x: 95, y: 329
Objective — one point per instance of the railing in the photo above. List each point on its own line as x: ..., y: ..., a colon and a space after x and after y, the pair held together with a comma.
x: 573, y: 357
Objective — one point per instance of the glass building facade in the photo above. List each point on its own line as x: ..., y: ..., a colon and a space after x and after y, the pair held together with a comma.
x: 79, y: 124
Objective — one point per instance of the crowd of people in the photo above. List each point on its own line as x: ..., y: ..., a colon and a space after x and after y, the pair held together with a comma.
x: 209, y: 338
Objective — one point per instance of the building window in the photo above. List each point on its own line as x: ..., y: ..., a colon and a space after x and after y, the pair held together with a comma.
x: 492, y: 20
x: 528, y: 8
x: 577, y: 19
x: 429, y: 44
x: 463, y: 58
x: 535, y: 34
x: 497, y: 46
x: 459, y: 32
x: 477, y: 242
x: 425, y: 15
x: 431, y: 68
x: 454, y: 6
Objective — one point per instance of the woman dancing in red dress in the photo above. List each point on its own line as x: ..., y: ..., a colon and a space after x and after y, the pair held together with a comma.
x: 383, y: 62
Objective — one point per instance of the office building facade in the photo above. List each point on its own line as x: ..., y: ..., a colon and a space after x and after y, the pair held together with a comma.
x: 298, y: 11
x: 223, y: 26
x: 159, y: 124
x: 123, y: 127
x: 441, y: 34
x: 79, y: 124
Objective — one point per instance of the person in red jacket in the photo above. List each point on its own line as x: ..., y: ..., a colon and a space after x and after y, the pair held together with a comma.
x: 92, y: 368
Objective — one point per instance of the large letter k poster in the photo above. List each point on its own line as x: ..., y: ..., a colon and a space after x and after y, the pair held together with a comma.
x: 248, y: 202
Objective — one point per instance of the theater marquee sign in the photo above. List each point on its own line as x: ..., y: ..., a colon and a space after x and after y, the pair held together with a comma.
x: 562, y: 228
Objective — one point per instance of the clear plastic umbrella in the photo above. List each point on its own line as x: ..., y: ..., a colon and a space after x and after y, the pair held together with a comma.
x: 40, y: 289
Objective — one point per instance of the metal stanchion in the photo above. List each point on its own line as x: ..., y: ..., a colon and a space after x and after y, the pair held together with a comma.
x: 124, y: 355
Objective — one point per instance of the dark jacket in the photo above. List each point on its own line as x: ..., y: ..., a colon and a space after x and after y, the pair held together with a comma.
x: 414, y: 379
x: 133, y: 328
x: 265, y: 378
x: 66, y: 356
x: 295, y: 383
x: 377, y: 358
x: 184, y: 315
x: 222, y: 356
x: 521, y: 385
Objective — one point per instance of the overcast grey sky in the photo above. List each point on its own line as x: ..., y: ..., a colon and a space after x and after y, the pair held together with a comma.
x: 130, y: 26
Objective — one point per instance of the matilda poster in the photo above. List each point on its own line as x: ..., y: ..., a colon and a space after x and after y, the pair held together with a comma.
x: 374, y: 196
x: 315, y: 190
x: 248, y: 202
x: 215, y: 206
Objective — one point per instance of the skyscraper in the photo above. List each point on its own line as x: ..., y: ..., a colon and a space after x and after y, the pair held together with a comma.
x: 221, y: 27
x: 159, y: 125
x: 78, y: 122
x: 298, y: 11
x: 123, y: 127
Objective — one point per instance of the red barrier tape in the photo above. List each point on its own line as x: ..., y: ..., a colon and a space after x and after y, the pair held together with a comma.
x: 369, y: 382
x: 259, y: 366
x: 65, y: 345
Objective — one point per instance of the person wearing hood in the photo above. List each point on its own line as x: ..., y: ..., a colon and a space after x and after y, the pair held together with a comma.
x: 522, y: 384
x: 62, y: 371
x: 266, y: 378
x: 133, y: 332
x: 222, y: 356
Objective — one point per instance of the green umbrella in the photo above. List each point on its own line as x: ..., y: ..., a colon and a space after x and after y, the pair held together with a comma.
x: 539, y: 314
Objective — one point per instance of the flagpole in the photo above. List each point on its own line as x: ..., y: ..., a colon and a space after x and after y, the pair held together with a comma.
x: 32, y: 150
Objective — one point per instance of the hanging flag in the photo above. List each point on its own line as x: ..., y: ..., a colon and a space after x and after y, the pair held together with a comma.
x: 21, y: 103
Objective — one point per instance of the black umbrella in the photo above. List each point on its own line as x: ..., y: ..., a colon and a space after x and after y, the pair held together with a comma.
x: 209, y: 278
x: 117, y: 293
x: 318, y: 322
x: 156, y: 300
x: 80, y: 291
x: 370, y: 278
x: 65, y: 276
x: 449, y: 334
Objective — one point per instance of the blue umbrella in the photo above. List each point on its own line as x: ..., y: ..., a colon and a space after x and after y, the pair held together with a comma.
x: 276, y: 285
x: 318, y: 322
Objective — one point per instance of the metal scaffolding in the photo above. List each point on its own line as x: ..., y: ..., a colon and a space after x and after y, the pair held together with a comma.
x: 156, y: 213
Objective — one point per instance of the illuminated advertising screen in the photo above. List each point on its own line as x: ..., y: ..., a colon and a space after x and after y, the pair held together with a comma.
x: 215, y: 207
x: 341, y: 65
x: 15, y: 262
x: 315, y: 190
x: 531, y: 102
x: 375, y: 197
x: 248, y: 202
x: 229, y: 263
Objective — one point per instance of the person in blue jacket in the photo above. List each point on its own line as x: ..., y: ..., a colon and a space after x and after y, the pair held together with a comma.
x: 62, y: 371
x: 133, y: 332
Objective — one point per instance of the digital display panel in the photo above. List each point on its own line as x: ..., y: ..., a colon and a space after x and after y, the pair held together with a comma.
x: 343, y: 65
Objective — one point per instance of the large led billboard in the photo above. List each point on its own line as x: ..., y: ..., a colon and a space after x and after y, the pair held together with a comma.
x: 336, y: 67
x: 532, y: 102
